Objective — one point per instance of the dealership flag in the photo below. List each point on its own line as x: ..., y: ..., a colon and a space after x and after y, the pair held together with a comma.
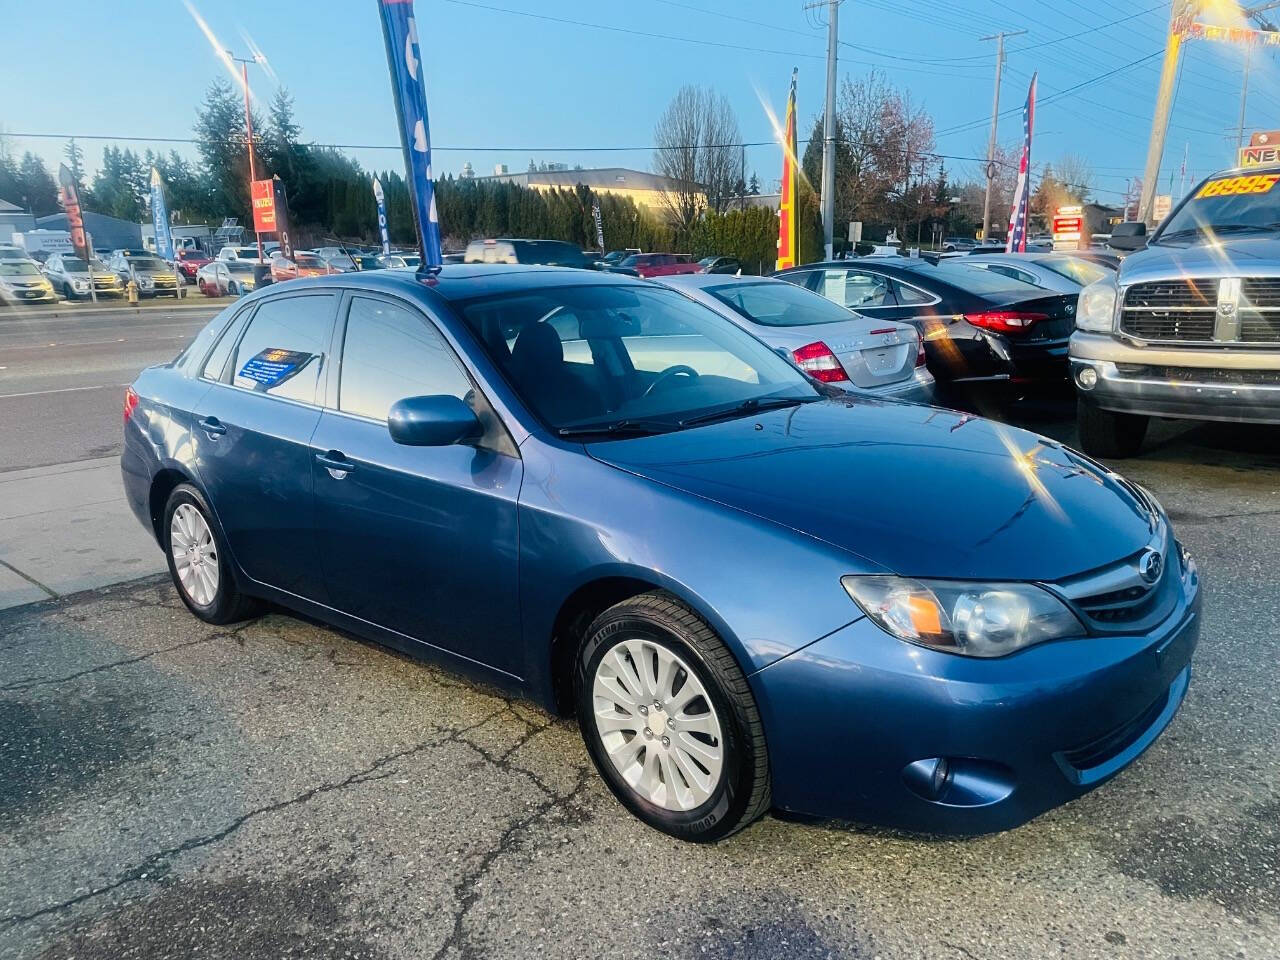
x: 382, y: 216
x: 790, y: 182
x: 160, y: 217
x: 599, y: 219
x: 75, y: 216
x: 400, y: 30
x: 1017, y: 236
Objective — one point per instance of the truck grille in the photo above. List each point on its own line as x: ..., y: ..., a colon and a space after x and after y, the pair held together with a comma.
x: 1149, y: 371
x: 1181, y: 310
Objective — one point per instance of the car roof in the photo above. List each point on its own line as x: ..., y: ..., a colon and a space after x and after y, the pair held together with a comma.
x: 701, y: 281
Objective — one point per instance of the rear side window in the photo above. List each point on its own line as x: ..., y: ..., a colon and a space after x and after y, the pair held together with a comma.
x: 391, y: 352
x: 282, y: 352
x: 910, y: 296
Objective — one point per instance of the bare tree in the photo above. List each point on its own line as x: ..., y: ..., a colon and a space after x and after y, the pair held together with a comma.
x: 697, y: 146
x: 1076, y: 175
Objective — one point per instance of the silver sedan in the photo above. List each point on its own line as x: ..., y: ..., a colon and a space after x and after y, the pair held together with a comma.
x: 1059, y: 272
x: 829, y: 342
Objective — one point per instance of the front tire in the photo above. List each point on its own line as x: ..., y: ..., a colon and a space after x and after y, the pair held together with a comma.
x: 198, y: 561
x: 669, y: 720
x: 1106, y: 434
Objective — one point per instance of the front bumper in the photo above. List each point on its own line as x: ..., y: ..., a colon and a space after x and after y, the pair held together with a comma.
x: 1234, y: 385
x: 22, y: 296
x: 856, y: 722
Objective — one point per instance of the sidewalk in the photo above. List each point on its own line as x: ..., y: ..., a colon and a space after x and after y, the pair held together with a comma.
x: 65, y: 528
x: 67, y: 308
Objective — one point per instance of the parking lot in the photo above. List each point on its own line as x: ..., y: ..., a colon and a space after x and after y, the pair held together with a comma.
x: 279, y: 788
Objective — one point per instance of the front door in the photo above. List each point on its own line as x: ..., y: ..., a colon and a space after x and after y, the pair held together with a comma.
x: 252, y: 434
x: 420, y: 540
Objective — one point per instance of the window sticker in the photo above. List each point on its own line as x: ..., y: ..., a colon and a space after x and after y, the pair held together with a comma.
x: 271, y: 367
x: 1229, y: 186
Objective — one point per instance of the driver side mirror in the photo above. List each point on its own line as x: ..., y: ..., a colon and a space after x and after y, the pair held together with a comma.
x: 433, y: 421
x: 1131, y: 235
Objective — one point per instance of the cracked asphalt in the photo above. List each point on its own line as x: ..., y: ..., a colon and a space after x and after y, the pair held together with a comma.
x: 280, y: 789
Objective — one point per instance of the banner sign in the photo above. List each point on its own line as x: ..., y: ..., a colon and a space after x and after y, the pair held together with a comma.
x: 595, y: 215
x: 404, y: 55
x: 264, y: 206
x: 75, y: 216
x: 1195, y: 30
x: 280, y: 211
x: 787, y: 233
x: 160, y: 217
x: 1264, y: 147
x: 1016, y: 238
x: 382, y: 216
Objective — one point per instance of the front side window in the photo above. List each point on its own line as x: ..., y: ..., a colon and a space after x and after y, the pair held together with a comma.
x: 582, y: 356
x: 282, y: 352
x: 778, y: 304
x: 391, y: 352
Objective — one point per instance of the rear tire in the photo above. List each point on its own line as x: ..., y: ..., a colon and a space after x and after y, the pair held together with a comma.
x: 1106, y: 434
x: 198, y: 560
x: 698, y: 773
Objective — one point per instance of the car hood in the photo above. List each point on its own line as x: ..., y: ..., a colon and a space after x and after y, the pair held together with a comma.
x: 916, y: 490
x: 1245, y: 255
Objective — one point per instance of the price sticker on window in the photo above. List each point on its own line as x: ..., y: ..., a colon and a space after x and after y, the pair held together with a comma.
x: 1239, y: 186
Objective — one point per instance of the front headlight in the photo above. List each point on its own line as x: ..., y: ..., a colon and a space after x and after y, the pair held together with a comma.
x: 81, y: 285
x: 957, y: 616
x: 1097, y: 307
x: 145, y: 282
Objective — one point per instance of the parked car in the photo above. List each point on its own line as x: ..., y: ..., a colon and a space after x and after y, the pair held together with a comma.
x: 1190, y: 326
x: 340, y: 258
x: 959, y: 244
x: 152, y: 275
x: 302, y: 265
x: 22, y: 282
x: 223, y: 278
x: 754, y: 594
x: 250, y: 253
x: 399, y: 261
x: 188, y: 262
x: 990, y: 335
x: 11, y: 251
x: 453, y: 258
x: 615, y: 257
x: 556, y: 253
x: 827, y: 341
x: 1060, y: 272
x: 366, y: 261
x: 659, y: 264
x: 69, y: 275
x: 720, y: 265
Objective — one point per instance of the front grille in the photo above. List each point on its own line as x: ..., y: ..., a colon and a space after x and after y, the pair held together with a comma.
x: 1258, y: 327
x: 1175, y: 310
x: 1147, y: 371
x: 1099, y: 751
x: 1117, y: 598
x: 1260, y: 291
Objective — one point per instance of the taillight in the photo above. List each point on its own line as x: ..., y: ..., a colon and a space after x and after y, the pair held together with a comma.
x: 817, y: 360
x: 130, y: 402
x: 920, y: 357
x: 1005, y: 321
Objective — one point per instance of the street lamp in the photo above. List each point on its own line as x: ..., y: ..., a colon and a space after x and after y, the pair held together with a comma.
x: 248, y: 125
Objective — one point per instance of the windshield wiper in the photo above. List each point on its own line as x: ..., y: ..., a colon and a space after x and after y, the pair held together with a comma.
x: 752, y: 405
x: 629, y: 427
x: 1220, y: 228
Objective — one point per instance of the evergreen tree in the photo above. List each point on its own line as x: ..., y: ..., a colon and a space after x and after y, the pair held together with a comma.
x: 75, y: 162
x: 753, y: 187
x: 221, y: 143
x: 37, y: 186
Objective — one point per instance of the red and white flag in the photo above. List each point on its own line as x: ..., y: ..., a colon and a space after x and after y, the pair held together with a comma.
x: 1016, y: 240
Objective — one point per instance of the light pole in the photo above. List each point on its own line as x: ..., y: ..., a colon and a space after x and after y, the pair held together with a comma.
x: 248, y: 126
x: 999, y: 38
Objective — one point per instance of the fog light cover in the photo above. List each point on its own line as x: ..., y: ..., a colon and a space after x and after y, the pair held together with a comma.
x: 1087, y: 378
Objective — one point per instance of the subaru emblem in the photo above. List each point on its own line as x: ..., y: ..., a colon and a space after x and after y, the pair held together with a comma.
x: 1150, y: 566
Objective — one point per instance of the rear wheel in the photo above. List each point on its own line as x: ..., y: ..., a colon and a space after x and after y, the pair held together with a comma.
x: 1104, y: 433
x: 233, y: 290
x: 669, y: 720
x: 198, y: 562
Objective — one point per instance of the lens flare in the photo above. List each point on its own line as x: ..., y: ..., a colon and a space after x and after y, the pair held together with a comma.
x: 219, y: 50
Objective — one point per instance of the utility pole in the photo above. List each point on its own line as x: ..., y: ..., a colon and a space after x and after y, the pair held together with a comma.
x: 991, y: 141
x: 829, y: 128
x: 1244, y: 97
x: 248, y: 126
x: 1179, y: 11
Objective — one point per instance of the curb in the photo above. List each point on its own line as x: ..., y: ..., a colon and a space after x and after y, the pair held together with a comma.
x: 63, y: 311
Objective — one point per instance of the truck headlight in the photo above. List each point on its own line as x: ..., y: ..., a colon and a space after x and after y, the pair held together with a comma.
x: 80, y: 285
x: 957, y: 616
x: 1097, y: 307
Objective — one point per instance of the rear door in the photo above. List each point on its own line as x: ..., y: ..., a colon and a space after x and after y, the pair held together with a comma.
x: 252, y: 436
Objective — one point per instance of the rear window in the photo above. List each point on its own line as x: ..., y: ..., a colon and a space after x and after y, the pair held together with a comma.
x: 974, y: 279
x: 1083, y: 272
x: 548, y: 252
x: 778, y: 304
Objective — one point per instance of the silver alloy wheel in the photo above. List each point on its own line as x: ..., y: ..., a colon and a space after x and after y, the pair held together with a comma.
x: 658, y: 725
x: 195, y: 555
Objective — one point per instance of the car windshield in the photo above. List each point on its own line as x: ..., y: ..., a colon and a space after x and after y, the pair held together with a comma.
x: 974, y: 279
x: 148, y: 263
x: 306, y: 260
x: 76, y: 265
x: 621, y: 359
x: 548, y: 251
x: 633, y: 260
x: 1228, y: 204
x: 239, y: 266
x: 1083, y: 272
x: 412, y: 261
x: 777, y: 304
x: 18, y: 268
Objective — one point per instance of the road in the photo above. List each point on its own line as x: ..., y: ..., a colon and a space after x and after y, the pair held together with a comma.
x: 63, y: 372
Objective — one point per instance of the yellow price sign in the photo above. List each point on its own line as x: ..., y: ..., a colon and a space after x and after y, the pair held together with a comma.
x: 1237, y: 186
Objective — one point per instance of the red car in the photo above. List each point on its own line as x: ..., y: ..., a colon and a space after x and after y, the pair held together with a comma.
x: 189, y: 262
x: 660, y: 264
x: 302, y: 265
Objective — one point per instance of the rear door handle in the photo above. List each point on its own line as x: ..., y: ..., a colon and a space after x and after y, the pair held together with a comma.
x: 212, y: 426
x: 336, y: 463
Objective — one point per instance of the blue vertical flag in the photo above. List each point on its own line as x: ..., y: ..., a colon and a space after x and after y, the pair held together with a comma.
x: 1016, y: 240
x: 382, y: 216
x: 160, y: 217
x: 404, y: 55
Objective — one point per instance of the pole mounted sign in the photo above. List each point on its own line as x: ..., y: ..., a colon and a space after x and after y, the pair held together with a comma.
x: 1264, y: 147
x: 271, y: 212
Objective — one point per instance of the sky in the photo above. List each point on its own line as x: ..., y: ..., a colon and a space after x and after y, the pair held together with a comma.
x: 511, y: 80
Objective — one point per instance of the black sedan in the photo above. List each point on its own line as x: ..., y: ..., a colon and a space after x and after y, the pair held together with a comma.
x: 980, y: 329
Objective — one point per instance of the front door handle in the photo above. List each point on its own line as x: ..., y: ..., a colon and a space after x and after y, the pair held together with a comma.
x: 336, y: 463
x: 212, y: 426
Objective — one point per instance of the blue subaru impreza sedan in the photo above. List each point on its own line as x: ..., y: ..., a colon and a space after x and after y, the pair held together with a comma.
x: 596, y: 493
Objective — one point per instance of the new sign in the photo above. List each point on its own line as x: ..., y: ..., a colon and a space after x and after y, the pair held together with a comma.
x: 1264, y: 147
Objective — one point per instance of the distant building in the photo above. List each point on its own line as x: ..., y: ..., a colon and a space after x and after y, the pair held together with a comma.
x: 499, y: 169
x: 106, y: 233
x: 646, y: 189
x: 468, y: 172
x: 13, y: 219
x: 184, y: 235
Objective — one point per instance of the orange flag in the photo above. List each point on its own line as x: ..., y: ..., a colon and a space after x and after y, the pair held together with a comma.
x: 787, y: 251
